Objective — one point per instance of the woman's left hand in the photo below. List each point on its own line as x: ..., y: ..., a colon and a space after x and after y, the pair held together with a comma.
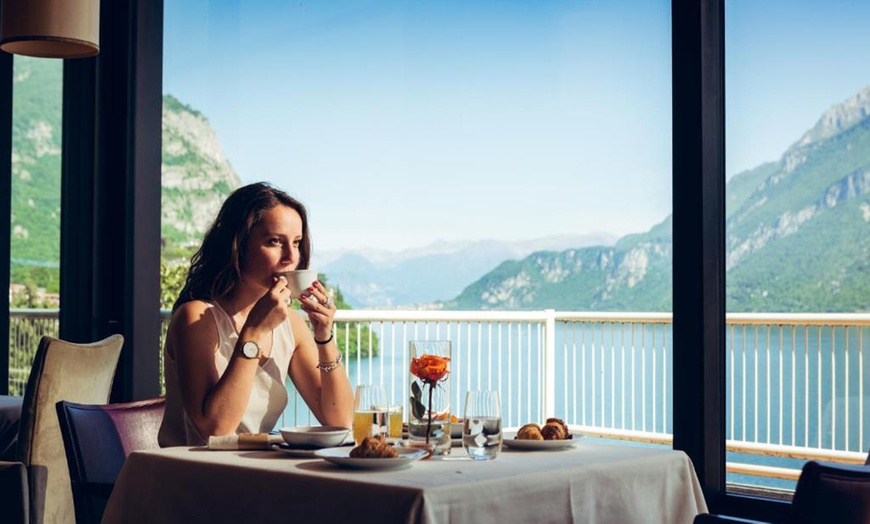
x: 320, y: 307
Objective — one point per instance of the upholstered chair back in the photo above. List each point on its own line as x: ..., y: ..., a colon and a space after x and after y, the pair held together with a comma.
x: 98, y: 438
x: 61, y: 371
x: 825, y: 493
x: 832, y: 493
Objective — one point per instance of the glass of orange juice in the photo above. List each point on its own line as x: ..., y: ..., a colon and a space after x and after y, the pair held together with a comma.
x: 369, y: 412
x: 395, y: 415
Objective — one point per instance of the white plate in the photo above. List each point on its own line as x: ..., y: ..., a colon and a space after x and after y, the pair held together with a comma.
x: 341, y: 457
x: 511, y: 441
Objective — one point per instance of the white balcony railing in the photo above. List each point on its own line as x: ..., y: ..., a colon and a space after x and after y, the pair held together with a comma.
x: 795, y: 383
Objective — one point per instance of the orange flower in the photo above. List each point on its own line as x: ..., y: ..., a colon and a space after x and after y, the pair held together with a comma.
x: 429, y: 368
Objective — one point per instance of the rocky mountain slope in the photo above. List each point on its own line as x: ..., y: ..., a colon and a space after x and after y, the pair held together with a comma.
x: 196, y: 175
x: 36, y: 152
x: 417, y: 277
x: 797, y: 229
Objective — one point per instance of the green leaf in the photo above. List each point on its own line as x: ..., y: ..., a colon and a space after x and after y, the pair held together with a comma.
x: 417, y: 408
x: 416, y: 391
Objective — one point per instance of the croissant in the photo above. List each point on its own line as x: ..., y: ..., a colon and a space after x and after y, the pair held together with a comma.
x: 372, y: 447
x: 530, y: 432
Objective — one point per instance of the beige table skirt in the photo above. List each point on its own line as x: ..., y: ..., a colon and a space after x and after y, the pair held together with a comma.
x: 591, y: 483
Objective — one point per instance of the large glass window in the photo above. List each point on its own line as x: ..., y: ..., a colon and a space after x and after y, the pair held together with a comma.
x: 35, y: 222
x: 798, y: 205
x: 455, y: 156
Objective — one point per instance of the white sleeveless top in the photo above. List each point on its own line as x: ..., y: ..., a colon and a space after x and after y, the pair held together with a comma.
x: 268, y: 396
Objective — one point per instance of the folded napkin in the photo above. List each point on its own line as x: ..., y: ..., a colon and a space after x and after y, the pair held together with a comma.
x: 244, y: 441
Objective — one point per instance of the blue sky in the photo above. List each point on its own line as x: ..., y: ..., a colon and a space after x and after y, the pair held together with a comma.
x: 403, y: 122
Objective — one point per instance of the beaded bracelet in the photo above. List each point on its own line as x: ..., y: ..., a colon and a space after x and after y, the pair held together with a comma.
x: 326, y: 367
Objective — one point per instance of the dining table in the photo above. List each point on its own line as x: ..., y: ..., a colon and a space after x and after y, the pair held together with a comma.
x: 588, y: 482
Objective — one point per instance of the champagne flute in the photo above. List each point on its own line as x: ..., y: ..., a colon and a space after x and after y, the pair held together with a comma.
x: 481, y: 428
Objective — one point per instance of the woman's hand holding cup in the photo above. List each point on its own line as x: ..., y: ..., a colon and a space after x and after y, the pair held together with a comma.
x: 320, y: 307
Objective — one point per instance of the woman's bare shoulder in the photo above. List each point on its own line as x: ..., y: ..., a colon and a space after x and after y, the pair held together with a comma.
x: 190, y: 311
x: 192, y: 342
x: 192, y: 322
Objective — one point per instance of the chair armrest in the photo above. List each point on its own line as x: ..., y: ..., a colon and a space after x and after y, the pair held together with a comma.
x: 14, y: 493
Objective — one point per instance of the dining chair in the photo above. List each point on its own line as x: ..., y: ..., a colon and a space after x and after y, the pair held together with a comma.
x: 61, y: 370
x: 97, y: 439
x: 825, y: 493
x: 15, y: 495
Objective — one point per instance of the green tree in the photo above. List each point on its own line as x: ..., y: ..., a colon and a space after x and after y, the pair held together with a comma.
x: 172, y: 277
x: 353, y: 339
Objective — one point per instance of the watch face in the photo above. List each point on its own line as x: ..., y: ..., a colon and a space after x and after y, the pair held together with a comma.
x: 250, y: 349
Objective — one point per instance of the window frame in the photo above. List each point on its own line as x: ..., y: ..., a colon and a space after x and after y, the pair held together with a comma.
x: 698, y: 90
x: 5, y: 204
x: 698, y: 208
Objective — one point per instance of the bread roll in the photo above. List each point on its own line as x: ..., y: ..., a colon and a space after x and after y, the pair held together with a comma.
x: 561, y: 423
x: 553, y: 431
x: 530, y: 432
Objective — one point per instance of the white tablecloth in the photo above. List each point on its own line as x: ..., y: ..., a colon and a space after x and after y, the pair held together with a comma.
x: 591, y: 483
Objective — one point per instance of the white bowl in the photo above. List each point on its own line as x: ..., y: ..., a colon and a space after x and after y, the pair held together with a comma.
x: 299, y: 281
x: 317, y: 436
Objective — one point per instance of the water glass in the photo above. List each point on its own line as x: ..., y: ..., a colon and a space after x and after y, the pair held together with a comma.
x: 369, y: 412
x: 481, y: 428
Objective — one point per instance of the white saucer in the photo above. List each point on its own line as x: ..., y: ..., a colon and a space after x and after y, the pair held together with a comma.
x: 294, y: 452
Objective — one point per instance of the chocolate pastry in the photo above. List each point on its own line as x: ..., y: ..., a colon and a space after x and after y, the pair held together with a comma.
x: 530, y: 432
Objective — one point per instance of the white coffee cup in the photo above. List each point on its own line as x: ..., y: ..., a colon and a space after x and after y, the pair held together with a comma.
x: 299, y: 281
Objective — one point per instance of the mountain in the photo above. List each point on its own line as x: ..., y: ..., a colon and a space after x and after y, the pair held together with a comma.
x: 36, y: 152
x: 196, y: 178
x: 414, y: 277
x: 796, y: 228
x: 800, y: 242
x: 627, y: 276
x: 796, y: 240
x: 196, y: 175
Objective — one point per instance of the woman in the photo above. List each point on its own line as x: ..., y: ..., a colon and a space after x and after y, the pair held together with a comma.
x: 233, y: 339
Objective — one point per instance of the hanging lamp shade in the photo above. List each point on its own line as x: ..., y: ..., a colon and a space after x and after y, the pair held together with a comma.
x: 50, y: 28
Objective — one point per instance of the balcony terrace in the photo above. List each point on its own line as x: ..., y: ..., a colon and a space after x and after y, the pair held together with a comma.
x: 795, y: 383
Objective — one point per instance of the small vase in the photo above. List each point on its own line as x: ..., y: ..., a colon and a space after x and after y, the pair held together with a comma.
x: 429, y: 397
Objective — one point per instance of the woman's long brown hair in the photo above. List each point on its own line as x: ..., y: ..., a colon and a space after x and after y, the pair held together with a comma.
x: 216, y: 267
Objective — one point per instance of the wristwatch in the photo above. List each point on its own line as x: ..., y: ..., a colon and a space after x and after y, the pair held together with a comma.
x: 250, y: 350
